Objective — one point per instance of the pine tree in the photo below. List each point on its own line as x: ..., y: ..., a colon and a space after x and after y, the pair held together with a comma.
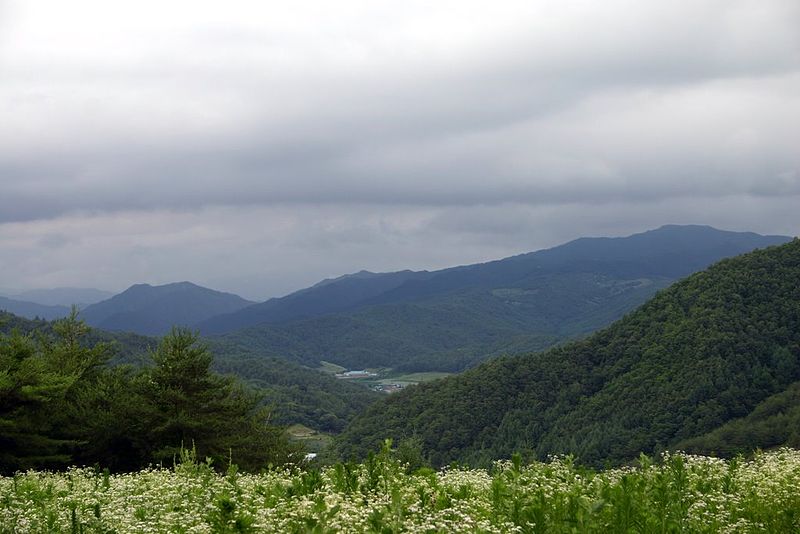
x: 41, y: 378
x: 195, y: 407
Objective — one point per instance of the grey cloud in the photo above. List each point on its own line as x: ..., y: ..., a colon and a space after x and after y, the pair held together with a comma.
x: 544, y: 123
x: 269, y: 251
x: 53, y: 241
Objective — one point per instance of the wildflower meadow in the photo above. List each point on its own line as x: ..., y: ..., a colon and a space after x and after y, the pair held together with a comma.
x: 677, y: 493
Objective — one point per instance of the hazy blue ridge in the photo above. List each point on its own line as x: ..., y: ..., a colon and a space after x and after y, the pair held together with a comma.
x: 452, y: 319
x: 63, y: 296
x: 32, y: 310
x: 154, y: 310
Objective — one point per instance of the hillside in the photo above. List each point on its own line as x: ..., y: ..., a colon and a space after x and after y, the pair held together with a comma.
x: 153, y: 310
x: 772, y: 423
x: 452, y: 319
x: 704, y: 352
x: 454, y: 331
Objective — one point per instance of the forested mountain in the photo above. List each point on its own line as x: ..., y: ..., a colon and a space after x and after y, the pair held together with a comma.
x: 452, y: 319
x: 454, y: 331
x: 710, y: 349
x: 668, y: 252
x: 294, y: 393
x: 153, y: 310
x: 31, y: 310
x: 127, y: 347
x: 329, y: 296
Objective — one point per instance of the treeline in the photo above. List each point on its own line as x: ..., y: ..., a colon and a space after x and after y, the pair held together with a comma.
x: 125, y: 347
x: 704, y: 352
x: 61, y: 404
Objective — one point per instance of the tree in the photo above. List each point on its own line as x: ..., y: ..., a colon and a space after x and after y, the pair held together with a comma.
x: 195, y: 407
x: 41, y: 379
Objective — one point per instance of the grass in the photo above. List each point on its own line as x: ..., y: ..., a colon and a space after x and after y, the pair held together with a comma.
x: 680, y: 493
x: 332, y: 368
x: 410, y: 379
x: 415, y: 378
x: 312, y: 440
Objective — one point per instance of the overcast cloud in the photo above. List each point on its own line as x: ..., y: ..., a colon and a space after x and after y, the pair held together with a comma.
x: 257, y: 147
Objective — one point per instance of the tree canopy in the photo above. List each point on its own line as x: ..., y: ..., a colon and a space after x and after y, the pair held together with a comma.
x: 60, y: 405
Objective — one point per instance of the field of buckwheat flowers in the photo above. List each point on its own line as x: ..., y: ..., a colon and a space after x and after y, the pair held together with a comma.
x: 679, y: 493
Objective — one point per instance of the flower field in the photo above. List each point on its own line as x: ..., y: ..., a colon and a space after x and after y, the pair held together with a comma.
x: 680, y: 493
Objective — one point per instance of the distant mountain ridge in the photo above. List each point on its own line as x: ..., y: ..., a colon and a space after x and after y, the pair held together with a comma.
x: 154, y: 310
x: 32, y: 310
x: 64, y: 296
x: 451, y: 319
x: 671, y: 251
x: 328, y: 296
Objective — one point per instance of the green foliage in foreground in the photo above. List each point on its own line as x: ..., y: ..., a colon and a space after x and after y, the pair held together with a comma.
x: 680, y: 494
x: 60, y: 405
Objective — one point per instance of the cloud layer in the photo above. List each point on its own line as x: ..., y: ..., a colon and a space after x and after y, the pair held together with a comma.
x: 313, y: 138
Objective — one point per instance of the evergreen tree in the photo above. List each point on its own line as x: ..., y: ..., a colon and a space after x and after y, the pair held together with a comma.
x: 41, y: 380
x: 195, y: 407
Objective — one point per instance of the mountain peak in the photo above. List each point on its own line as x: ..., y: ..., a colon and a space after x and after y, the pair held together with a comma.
x: 153, y: 310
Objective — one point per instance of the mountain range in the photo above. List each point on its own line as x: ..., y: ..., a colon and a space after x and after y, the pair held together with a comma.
x: 446, y: 320
x: 712, y: 363
x: 669, y: 252
x: 452, y: 319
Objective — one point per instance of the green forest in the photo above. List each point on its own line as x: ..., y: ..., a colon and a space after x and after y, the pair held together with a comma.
x: 61, y: 404
x: 705, y: 352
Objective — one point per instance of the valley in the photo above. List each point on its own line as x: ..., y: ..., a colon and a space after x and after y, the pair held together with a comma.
x: 326, y: 356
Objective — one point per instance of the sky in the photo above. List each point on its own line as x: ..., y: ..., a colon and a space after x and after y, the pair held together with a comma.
x: 258, y: 147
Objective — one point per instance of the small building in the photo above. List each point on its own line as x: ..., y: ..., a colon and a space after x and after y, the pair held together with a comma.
x: 388, y: 388
x: 356, y: 374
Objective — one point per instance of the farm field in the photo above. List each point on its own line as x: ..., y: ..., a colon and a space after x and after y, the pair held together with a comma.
x: 410, y: 379
x: 312, y: 440
x: 383, y: 377
x: 679, y: 493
